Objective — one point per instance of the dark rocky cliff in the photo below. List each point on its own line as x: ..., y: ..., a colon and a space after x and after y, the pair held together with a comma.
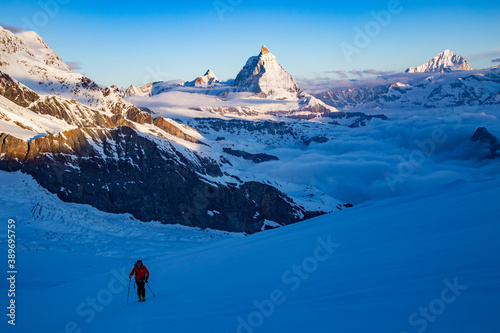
x: 120, y: 170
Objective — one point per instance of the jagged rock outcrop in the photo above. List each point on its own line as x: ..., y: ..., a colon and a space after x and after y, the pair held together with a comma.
x: 123, y: 171
x: 134, y: 114
x: 489, y: 140
x: 13, y: 152
x: 71, y: 111
x: 15, y: 92
x: 256, y: 158
x: 170, y: 128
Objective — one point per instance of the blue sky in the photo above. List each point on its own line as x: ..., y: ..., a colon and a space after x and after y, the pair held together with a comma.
x: 120, y: 42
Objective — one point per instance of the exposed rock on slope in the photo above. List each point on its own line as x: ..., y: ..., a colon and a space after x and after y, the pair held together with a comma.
x: 122, y: 171
x: 170, y: 128
x: 77, y: 115
x: 256, y: 158
x: 15, y: 92
x: 71, y: 111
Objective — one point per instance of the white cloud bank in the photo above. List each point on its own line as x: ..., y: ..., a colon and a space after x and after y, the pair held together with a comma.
x: 414, y: 151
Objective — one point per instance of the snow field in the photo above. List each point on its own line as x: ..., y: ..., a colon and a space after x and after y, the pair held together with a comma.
x: 427, y: 262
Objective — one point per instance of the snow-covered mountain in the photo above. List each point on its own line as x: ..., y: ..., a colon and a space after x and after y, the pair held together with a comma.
x: 151, y: 89
x: 261, y: 90
x: 422, y: 90
x: 446, y: 81
x: 209, y: 79
x: 83, y: 142
x: 138, y: 91
x: 264, y: 76
x: 155, y: 88
x: 444, y: 62
x: 28, y: 59
x: 27, y: 56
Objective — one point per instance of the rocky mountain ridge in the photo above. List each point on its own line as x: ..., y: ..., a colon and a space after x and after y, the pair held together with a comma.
x: 106, y: 167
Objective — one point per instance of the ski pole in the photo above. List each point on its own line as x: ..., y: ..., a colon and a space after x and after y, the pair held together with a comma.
x: 128, y: 289
x: 151, y: 290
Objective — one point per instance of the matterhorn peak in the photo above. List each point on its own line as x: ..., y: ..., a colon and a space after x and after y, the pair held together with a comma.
x: 264, y: 76
x: 446, y: 61
x: 264, y: 50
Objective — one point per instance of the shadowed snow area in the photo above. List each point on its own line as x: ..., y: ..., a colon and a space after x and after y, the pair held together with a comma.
x: 425, y: 262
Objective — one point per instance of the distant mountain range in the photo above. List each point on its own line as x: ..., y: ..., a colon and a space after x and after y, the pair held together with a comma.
x: 262, y: 89
x: 447, y: 80
x: 262, y: 75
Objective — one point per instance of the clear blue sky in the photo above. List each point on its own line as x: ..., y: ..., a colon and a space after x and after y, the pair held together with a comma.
x: 121, y: 42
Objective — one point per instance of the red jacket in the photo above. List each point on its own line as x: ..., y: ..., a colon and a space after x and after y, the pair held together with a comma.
x: 140, y: 272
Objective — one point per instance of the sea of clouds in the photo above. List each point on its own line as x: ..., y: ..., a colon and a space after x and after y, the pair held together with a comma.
x: 413, y: 151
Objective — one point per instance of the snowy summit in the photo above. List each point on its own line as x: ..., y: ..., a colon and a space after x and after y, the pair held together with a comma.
x: 208, y: 79
x: 264, y: 76
x: 443, y: 62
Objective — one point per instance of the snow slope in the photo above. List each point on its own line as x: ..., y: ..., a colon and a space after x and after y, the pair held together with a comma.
x: 427, y: 262
x: 49, y: 224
